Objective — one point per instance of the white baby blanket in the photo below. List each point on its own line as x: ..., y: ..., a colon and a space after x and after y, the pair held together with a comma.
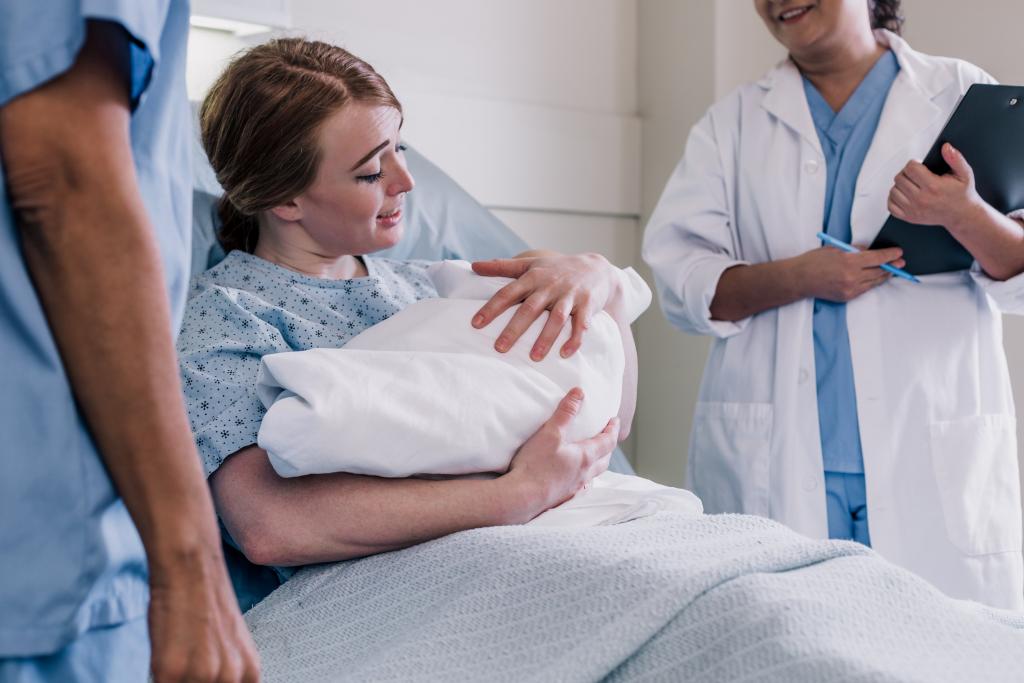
x: 424, y: 393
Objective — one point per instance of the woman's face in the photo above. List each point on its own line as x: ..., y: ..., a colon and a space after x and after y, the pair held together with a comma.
x: 805, y: 27
x: 354, y: 205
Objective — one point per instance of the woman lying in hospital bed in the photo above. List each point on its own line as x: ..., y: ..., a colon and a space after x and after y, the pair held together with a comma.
x: 304, y: 139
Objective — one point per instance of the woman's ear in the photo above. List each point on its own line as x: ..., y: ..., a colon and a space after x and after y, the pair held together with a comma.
x: 289, y: 212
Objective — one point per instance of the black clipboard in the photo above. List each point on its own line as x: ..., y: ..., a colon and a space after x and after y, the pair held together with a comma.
x: 988, y: 128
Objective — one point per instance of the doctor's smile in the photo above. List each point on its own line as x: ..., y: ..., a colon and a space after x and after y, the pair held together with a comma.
x: 793, y: 15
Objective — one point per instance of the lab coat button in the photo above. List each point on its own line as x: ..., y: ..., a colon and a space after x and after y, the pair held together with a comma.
x: 811, y: 166
x: 803, y: 375
x: 810, y: 484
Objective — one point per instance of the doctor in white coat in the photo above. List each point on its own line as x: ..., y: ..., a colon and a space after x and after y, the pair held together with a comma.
x: 836, y: 399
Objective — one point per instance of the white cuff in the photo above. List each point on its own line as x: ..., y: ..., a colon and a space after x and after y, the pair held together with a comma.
x: 699, y: 298
x: 1008, y: 295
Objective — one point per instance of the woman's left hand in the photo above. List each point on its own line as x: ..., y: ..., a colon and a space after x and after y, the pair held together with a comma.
x: 576, y: 287
x: 919, y: 196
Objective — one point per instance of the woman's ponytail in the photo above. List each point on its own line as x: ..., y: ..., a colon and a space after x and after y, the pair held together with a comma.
x: 237, y: 230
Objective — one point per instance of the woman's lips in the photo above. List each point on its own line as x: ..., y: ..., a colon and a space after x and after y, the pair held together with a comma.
x: 390, y: 220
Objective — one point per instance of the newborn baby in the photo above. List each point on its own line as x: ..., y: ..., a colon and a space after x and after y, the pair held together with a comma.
x: 425, y: 393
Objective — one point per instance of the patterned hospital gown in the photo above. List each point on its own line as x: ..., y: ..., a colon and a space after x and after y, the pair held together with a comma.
x: 246, y: 307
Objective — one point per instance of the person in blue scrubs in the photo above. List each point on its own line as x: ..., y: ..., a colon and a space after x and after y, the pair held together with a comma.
x: 106, y: 517
x: 845, y: 137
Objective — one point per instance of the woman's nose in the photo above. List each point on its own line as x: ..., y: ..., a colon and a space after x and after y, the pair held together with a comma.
x: 403, y: 181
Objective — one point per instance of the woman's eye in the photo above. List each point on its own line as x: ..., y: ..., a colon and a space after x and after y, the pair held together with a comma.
x: 400, y: 147
x: 372, y: 178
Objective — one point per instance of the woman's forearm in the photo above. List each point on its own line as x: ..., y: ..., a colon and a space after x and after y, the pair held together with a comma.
x: 744, y: 291
x: 996, y: 241
x: 333, y: 517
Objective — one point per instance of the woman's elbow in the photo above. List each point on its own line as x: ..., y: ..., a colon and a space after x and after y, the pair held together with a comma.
x: 271, y: 543
x: 262, y: 545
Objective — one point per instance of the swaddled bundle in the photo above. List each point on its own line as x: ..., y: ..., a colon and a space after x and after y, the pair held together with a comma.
x: 425, y: 393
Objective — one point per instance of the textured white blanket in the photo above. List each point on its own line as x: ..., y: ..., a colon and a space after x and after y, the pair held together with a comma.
x: 710, y: 599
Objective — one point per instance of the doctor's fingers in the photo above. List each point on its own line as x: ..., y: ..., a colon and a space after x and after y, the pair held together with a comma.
x: 918, y: 174
x: 872, y: 258
x: 907, y: 187
x: 875, y: 277
x: 899, y: 205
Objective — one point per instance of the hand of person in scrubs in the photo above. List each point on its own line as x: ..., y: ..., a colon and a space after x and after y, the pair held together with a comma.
x: 572, y: 288
x: 833, y: 275
x: 922, y: 197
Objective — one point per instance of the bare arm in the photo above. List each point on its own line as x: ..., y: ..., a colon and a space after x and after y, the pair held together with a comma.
x: 331, y: 517
x: 996, y: 241
x: 824, y: 273
x: 89, y: 248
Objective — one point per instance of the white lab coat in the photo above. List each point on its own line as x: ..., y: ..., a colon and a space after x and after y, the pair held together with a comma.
x: 934, y: 403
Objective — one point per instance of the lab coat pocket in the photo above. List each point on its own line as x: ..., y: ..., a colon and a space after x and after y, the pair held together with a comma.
x: 975, y: 461
x: 729, y: 451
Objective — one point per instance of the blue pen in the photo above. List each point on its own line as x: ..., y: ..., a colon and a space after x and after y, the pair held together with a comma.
x: 849, y: 248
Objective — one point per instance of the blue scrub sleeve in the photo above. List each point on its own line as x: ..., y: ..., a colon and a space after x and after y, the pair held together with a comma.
x: 41, y: 40
x: 219, y: 350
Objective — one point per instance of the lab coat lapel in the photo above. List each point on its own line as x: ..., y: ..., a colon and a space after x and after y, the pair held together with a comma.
x: 909, y: 110
x: 786, y: 101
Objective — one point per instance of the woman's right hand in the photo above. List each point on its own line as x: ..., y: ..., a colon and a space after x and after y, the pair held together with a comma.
x: 833, y: 275
x: 552, y: 468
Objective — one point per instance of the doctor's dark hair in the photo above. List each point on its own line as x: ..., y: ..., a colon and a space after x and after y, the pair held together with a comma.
x: 886, y: 14
x: 261, y: 120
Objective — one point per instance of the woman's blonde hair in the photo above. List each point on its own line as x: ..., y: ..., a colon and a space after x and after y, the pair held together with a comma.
x: 261, y: 119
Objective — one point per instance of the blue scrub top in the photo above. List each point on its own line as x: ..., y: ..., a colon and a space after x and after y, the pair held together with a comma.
x: 845, y: 138
x: 71, y: 559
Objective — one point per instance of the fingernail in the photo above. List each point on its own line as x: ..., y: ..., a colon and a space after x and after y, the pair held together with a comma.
x: 538, y: 354
x: 478, y: 320
x: 501, y: 345
x: 565, y: 352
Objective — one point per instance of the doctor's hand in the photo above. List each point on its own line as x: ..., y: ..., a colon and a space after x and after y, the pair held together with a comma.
x: 550, y: 468
x: 570, y: 287
x: 919, y: 196
x: 833, y: 275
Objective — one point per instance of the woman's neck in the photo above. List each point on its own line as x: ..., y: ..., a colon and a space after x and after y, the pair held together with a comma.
x: 838, y: 70
x: 307, y: 262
